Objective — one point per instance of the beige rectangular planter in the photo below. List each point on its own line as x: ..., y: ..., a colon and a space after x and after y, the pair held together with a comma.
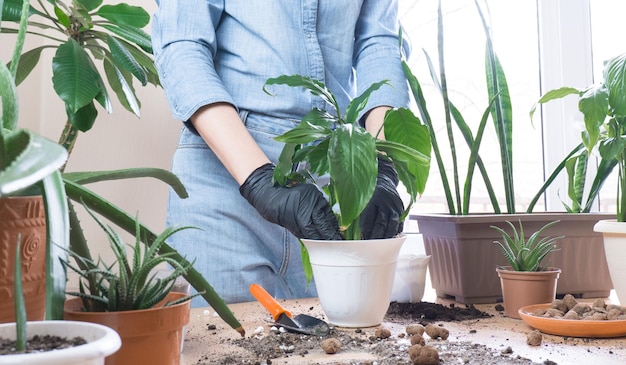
x: 464, y: 257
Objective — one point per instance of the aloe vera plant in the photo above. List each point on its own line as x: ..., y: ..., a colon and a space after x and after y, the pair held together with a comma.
x: 134, y: 286
x: 335, y: 144
x: 526, y: 254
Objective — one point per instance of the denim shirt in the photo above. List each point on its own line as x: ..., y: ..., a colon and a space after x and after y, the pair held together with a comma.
x: 209, y: 51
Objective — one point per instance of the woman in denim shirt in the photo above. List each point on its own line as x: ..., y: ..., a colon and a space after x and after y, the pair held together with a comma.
x: 213, y: 59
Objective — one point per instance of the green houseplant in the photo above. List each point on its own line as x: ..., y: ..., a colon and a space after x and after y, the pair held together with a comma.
x: 459, y: 239
x: 128, y: 296
x: 29, y: 165
x: 526, y: 281
x: 83, y: 33
x: 603, y: 106
x: 333, y: 144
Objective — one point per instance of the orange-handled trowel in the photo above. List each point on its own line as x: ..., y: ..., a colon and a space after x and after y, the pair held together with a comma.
x: 300, y: 323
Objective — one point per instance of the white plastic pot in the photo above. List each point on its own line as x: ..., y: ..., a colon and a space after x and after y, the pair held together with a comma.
x: 410, y: 278
x: 102, y: 341
x: 614, y: 234
x: 354, y: 279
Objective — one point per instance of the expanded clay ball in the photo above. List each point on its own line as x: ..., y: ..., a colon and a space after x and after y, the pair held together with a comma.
x: 414, y: 329
x: 382, y: 332
x: 423, y: 355
x: 331, y: 345
x: 418, y: 340
x: 534, y: 338
x: 436, y: 332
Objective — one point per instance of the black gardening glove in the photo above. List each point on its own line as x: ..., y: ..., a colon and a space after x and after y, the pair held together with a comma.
x: 381, y: 216
x: 301, y: 208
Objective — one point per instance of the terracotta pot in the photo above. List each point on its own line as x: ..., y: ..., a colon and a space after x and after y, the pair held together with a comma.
x: 151, y: 336
x: 102, y: 341
x: 24, y: 216
x: 522, y: 288
x: 614, y: 234
x: 354, y: 279
x: 458, y: 243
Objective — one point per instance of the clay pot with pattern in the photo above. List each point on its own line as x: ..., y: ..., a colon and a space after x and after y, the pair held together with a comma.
x: 24, y: 217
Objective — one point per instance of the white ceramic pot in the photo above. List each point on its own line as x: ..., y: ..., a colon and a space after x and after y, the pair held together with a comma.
x: 354, y: 279
x: 410, y: 278
x: 102, y: 341
x: 614, y: 234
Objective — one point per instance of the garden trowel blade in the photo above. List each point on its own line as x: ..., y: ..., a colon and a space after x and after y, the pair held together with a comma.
x: 300, y: 323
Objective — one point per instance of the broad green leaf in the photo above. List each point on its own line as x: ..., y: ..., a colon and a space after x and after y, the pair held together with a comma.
x: 89, y: 5
x: 594, y: 104
x: 304, y: 132
x: 146, y: 61
x: 316, y: 155
x: 124, y: 14
x: 74, y: 76
x: 610, y: 148
x: 358, y: 104
x: 615, y: 80
x: 125, y: 60
x: 131, y: 34
x: 84, y: 118
x: 285, y: 163
x: 12, y: 10
x: 352, y: 157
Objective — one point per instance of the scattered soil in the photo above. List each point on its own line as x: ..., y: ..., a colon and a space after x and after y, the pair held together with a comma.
x: 270, y: 348
x: 40, y: 344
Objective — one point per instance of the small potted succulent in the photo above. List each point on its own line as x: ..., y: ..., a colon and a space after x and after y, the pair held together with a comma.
x: 52, y: 342
x: 525, y: 281
x: 130, y: 297
x: 334, y: 145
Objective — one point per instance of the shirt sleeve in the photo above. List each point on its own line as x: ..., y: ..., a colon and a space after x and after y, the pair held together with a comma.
x: 184, y: 42
x: 377, y: 54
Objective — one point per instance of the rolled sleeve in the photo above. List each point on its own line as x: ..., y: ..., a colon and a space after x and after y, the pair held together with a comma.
x: 184, y: 42
x: 377, y: 54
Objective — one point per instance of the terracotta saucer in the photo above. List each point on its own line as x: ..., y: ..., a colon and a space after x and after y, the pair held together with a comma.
x: 572, y: 327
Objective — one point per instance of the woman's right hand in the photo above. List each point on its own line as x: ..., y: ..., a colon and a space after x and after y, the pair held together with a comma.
x: 301, y: 209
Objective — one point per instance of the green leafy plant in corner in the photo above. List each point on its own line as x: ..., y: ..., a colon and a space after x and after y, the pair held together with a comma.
x: 498, y: 109
x: 82, y: 33
x: 526, y: 254
x: 603, y: 106
x: 334, y: 143
x: 134, y: 286
x: 29, y: 161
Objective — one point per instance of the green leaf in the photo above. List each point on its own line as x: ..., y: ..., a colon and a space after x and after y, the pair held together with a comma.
x: 615, y: 80
x: 9, y: 102
x: 305, y: 132
x: 74, y: 76
x: 131, y: 34
x: 285, y: 163
x: 353, y: 166
x: 28, y: 61
x: 124, y: 14
x: 315, y: 87
x: 553, y: 95
x: 317, y: 157
x: 63, y: 18
x: 611, y: 148
x: 18, y: 300
x: 89, y: 5
x: 12, y: 10
x: 84, y: 118
x: 125, y: 60
x: 358, y: 104
x: 121, y: 83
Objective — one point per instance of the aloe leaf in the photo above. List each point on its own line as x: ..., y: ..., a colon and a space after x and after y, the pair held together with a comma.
x: 124, y: 14
x: 58, y: 238
x: 8, y: 96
